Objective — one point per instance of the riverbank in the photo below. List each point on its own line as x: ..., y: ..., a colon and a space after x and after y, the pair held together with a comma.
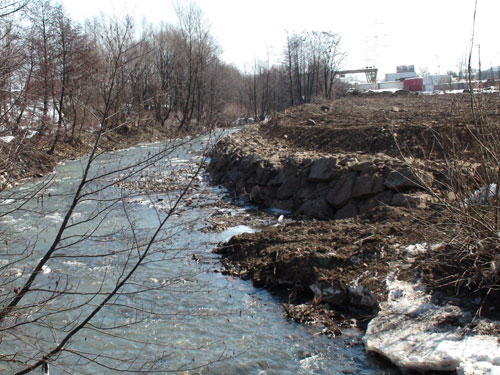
x: 341, y: 163
x: 25, y: 157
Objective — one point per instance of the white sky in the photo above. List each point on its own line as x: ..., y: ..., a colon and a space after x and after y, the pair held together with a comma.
x: 432, y: 34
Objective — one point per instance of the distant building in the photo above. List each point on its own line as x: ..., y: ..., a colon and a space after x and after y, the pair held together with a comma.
x: 413, y: 84
x: 492, y: 73
x: 402, y: 72
x: 432, y: 82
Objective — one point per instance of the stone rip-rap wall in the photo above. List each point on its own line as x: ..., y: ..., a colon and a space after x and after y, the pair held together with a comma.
x: 315, y: 185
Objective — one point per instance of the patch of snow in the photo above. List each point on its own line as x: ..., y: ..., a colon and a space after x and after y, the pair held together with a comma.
x: 416, y: 249
x: 391, y: 90
x: 443, y: 92
x: 329, y: 294
x: 239, y: 229
x: 481, y: 196
x: 10, y: 220
x: 411, y: 331
x: 74, y: 263
x: 31, y: 133
x: 7, y: 138
x: 479, y: 368
x: 309, y: 364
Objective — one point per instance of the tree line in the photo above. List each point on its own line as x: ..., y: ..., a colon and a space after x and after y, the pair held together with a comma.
x: 308, y: 69
x: 54, y: 73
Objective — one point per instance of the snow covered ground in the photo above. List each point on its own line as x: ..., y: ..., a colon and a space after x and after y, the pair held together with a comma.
x: 416, y: 334
x: 7, y: 138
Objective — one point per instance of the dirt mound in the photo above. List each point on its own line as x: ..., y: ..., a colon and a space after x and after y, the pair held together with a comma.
x: 413, y: 124
x: 333, y: 270
x: 340, y: 265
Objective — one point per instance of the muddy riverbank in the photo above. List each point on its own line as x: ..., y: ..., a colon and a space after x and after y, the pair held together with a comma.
x: 363, y: 214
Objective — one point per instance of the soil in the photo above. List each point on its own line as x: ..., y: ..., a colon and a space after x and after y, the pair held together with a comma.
x: 377, y: 123
x: 290, y: 258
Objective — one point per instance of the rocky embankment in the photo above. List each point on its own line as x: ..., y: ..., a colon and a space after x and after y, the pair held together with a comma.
x: 312, y: 184
x: 365, y: 227
x: 333, y: 273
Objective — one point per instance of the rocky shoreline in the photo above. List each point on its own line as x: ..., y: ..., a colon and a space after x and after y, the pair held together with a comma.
x: 315, y: 185
x: 322, y: 265
x: 362, y: 219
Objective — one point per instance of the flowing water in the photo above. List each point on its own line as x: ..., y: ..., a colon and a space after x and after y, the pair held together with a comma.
x: 177, y: 313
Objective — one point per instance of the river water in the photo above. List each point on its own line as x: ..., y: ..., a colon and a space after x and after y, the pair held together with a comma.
x: 177, y: 313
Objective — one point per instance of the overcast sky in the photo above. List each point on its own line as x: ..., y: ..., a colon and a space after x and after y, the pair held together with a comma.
x: 432, y: 34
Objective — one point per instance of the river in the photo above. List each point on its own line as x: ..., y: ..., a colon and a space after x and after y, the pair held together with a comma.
x: 177, y: 313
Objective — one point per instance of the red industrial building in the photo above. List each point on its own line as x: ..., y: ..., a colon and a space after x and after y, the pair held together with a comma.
x: 413, y: 84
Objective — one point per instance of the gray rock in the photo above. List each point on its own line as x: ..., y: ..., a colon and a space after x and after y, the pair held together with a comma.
x: 286, y: 205
x: 278, y: 179
x: 363, y: 166
x: 256, y: 194
x: 233, y: 175
x: 317, y: 208
x: 263, y: 174
x: 349, y: 210
x: 248, y: 162
x: 306, y: 191
x: 362, y: 187
x: 409, y: 200
x: 401, y: 179
x: 384, y: 197
x: 378, y: 184
x: 291, y: 184
x: 324, y: 170
x: 367, y: 205
x: 400, y: 200
x: 342, y: 191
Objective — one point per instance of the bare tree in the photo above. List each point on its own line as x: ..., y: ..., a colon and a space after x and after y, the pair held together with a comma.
x: 73, y: 60
x: 46, y: 319
x: 196, y: 53
x: 10, y: 7
x: 311, y: 60
x: 165, y: 100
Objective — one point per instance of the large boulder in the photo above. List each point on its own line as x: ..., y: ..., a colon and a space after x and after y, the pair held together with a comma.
x: 341, y: 192
x: 349, y: 210
x: 317, y: 208
x: 363, y: 187
x: 324, y: 170
x: 401, y: 179
x: 291, y: 183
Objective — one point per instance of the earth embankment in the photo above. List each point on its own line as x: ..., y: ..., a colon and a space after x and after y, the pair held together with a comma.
x: 345, y: 163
